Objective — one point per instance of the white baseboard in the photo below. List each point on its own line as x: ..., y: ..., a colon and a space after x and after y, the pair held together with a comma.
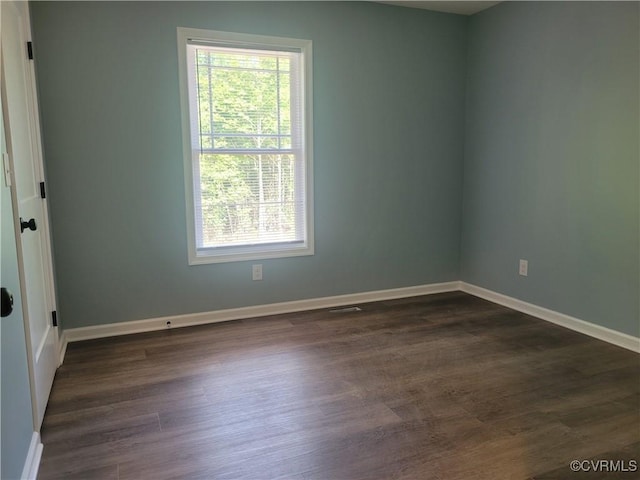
x: 602, y: 333
x: 32, y: 462
x: 62, y: 343
x: 153, y: 324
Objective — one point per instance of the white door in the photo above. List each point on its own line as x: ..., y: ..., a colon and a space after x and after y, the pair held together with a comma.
x: 34, y: 255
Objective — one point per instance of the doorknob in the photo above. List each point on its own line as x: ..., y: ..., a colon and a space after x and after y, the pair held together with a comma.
x: 7, y: 302
x: 31, y: 225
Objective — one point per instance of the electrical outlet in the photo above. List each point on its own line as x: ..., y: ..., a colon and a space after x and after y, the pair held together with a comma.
x: 257, y: 271
x: 524, y: 268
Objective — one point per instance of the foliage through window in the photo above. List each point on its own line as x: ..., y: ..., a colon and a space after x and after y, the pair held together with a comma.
x: 247, y: 131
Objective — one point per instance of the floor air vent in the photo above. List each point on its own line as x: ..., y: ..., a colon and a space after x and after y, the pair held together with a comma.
x: 345, y: 310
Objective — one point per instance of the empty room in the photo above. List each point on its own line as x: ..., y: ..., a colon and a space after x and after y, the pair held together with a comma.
x: 320, y: 240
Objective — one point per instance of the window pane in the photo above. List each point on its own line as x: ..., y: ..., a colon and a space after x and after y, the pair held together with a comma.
x: 247, y: 199
x: 244, y: 99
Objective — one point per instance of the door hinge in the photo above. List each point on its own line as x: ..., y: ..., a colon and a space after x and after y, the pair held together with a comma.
x: 30, y: 50
x: 54, y: 318
x: 43, y: 193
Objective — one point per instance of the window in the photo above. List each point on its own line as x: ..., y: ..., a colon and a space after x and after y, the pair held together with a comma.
x: 246, y: 105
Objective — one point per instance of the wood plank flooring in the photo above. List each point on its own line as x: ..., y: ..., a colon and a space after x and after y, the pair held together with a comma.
x: 441, y: 387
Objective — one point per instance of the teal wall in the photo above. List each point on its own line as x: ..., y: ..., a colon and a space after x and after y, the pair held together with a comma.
x: 446, y: 148
x: 389, y: 87
x: 551, y: 164
x: 15, y: 394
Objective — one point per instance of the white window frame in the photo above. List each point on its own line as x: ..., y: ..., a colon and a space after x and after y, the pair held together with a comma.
x: 197, y: 255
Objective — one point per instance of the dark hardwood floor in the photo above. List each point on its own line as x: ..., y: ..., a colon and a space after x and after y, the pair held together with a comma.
x: 444, y: 387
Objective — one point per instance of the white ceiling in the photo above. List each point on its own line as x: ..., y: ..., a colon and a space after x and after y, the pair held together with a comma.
x: 453, y: 6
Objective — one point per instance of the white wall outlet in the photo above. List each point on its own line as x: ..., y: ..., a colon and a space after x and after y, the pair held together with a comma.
x: 524, y: 268
x: 257, y: 271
